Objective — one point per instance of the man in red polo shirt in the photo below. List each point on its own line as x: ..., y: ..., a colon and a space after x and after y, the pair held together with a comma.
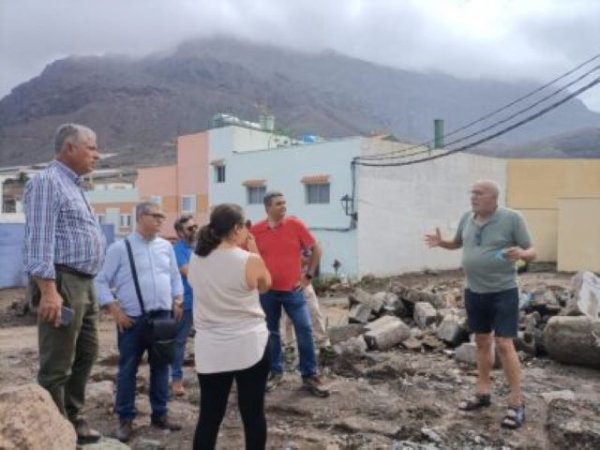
x: 280, y: 240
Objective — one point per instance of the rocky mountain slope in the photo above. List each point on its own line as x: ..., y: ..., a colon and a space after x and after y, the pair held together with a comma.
x: 139, y: 106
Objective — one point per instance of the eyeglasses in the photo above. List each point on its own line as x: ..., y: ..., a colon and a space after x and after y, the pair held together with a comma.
x: 156, y: 215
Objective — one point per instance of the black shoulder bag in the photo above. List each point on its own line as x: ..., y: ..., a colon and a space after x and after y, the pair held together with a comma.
x: 163, y: 329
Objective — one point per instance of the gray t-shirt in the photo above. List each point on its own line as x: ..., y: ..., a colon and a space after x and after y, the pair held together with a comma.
x: 486, y: 270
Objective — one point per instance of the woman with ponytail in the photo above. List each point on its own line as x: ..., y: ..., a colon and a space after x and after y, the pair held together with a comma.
x: 231, y: 332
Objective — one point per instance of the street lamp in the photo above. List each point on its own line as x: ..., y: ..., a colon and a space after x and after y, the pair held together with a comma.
x: 348, y: 206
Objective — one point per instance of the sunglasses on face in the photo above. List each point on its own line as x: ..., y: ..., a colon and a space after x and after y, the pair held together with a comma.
x: 156, y: 215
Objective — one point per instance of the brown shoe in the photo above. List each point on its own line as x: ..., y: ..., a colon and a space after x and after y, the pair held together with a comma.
x: 124, y: 430
x: 165, y: 424
x: 85, y: 433
x: 314, y: 385
x: 177, y: 388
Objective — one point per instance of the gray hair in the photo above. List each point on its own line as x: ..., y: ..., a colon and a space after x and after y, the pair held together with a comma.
x: 270, y: 196
x: 491, y: 185
x: 144, y: 208
x: 68, y: 131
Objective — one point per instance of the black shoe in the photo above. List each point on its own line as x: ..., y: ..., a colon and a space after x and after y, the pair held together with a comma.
x: 273, y: 381
x: 315, y: 386
x: 165, y: 424
x: 124, y: 430
x: 85, y: 433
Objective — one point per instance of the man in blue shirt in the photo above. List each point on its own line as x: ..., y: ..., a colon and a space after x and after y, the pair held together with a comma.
x: 187, y: 231
x: 161, y: 292
x: 64, y: 249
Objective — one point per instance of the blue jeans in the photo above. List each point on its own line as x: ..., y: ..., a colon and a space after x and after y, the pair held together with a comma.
x: 183, y: 331
x: 296, y: 308
x: 133, y: 342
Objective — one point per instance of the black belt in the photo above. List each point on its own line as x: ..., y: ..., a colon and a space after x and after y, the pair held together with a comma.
x: 70, y: 270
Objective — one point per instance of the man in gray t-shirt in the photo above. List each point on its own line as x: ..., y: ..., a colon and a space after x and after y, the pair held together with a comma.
x: 493, y: 239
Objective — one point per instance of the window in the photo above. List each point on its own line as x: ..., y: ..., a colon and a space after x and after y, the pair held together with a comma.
x: 317, y: 193
x: 188, y: 203
x: 125, y: 220
x: 256, y: 194
x: 156, y: 199
x: 220, y: 174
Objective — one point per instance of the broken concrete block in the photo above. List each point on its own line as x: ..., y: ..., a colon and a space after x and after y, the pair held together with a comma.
x: 466, y: 353
x: 359, y: 313
x: 380, y: 322
x: 413, y: 296
x: 525, y: 342
x: 451, y: 330
x: 29, y: 419
x: 387, y: 334
x: 431, y: 342
x: 343, y: 333
x: 354, y: 346
x: 573, y: 340
x: 564, y: 395
x: 425, y: 314
x: 362, y: 297
x: 412, y: 344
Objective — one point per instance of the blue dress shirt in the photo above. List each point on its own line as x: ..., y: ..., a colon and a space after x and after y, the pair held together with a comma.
x: 158, y: 275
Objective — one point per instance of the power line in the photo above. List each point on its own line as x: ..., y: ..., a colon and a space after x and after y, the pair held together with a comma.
x: 500, y: 122
x: 492, y: 113
x: 485, y: 139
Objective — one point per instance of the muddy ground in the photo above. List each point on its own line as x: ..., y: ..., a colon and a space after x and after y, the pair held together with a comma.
x: 397, y: 399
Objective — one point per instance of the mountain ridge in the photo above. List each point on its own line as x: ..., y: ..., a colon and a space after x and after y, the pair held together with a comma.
x: 139, y: 105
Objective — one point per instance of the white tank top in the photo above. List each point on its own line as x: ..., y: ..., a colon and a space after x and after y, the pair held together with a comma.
x: 231, y: 331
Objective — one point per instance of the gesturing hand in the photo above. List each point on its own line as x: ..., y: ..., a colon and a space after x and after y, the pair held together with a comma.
x: 433, y: 239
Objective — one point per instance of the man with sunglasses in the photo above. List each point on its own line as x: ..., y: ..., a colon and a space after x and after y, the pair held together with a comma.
x: 493, y: 239
x: 187, y: 232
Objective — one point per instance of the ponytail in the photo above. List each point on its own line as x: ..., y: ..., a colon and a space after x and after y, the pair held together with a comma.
x: 207, y: 241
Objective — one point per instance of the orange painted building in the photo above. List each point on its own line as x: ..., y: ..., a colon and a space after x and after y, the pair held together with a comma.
x: 181, y: 188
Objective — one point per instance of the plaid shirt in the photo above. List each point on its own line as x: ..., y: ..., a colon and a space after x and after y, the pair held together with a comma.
x: 60, y: 226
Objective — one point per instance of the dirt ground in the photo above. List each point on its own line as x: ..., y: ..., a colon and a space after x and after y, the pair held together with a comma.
x: 396, y: 399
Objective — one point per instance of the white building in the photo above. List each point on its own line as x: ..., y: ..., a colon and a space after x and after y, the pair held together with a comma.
x: 393, y: 206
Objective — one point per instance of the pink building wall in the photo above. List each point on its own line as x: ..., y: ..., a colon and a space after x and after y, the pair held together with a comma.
x: 192, y: 171
x: 189, y: 177
x: 161, y: 181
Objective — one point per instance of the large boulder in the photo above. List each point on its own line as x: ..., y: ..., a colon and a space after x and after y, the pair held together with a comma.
x: 29, y: 419
x: 573, y: 340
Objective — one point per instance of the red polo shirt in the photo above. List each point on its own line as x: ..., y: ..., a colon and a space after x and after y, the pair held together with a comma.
x: 280, y: 248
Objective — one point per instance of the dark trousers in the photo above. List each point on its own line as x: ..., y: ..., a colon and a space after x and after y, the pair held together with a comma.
x: 67, y: 353
x: 214, y: 391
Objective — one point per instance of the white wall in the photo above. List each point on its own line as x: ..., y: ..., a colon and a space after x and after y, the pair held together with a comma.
x: 398, y: 205
x: 283, y: 169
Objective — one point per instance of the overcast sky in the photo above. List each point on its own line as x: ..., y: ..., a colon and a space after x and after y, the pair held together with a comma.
x: 499, y: 39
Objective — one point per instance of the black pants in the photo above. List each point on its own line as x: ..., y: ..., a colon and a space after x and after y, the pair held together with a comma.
x: 214, y: 391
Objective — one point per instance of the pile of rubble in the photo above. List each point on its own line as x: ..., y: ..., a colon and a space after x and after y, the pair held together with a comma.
x: 552, y: 321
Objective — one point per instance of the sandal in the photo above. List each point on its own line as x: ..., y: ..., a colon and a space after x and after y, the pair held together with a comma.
x: 514, y: 418
x: 475, y: 402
